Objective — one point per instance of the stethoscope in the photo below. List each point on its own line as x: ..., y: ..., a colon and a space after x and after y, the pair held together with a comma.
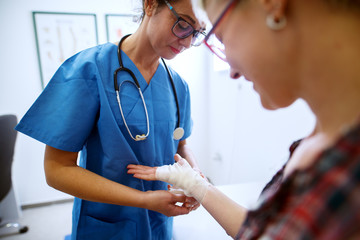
x: 178, y: 132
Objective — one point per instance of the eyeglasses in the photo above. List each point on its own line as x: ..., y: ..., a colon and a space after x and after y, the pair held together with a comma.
x: 182, y: 29
x: 211, y: 41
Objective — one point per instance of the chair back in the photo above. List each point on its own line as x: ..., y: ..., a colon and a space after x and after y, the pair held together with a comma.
x: 7, y: 146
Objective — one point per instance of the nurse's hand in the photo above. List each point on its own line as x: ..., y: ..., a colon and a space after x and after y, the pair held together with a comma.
x: 166, y: 203
x: 180, y: 175
x: 190, y: 201
x: 149, y: 174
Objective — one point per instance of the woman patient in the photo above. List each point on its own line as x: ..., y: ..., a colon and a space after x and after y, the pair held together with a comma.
x: 291, y: 49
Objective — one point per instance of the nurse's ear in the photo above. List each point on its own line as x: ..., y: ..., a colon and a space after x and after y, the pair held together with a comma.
x: 150, y: 7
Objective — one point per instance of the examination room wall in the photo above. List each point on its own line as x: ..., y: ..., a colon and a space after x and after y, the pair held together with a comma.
x: 249, y: 143
x: 20, y: 83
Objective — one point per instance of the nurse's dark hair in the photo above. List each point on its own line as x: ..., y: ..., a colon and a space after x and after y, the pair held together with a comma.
x: 159, y: 3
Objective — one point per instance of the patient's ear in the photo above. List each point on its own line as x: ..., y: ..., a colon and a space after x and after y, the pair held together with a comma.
x: 275, y: 8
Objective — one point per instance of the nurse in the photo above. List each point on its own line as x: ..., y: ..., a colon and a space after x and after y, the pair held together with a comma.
x: 78, y: 112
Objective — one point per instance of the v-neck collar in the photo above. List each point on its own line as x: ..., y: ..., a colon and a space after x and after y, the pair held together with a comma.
x: 142, y: 82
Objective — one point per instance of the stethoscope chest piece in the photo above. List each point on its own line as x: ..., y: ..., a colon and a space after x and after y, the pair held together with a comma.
x: 178, y: 133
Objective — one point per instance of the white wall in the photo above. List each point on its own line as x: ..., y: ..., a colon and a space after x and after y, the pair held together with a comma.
x: 249, y: 143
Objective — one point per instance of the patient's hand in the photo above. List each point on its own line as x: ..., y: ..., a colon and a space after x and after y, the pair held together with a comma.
x: 180, y: 175
x: 149, y: 174
x: 143, y: 172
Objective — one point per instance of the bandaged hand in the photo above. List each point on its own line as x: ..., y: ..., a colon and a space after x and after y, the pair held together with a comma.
x: 180, y: 174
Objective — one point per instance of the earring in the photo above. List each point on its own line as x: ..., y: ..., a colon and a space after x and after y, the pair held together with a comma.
x: 275, y: 24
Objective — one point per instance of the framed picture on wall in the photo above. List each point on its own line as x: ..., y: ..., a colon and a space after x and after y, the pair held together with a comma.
x: 118, y: 25
x: 59, y: 36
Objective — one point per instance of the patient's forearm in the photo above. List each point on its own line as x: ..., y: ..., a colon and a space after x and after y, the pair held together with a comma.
x: 225, y: 211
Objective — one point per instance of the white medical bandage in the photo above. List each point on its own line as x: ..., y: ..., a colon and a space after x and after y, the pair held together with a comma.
x: 181, y: 175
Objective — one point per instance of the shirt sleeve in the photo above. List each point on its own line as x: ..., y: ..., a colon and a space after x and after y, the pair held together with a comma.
x: 65, y: 113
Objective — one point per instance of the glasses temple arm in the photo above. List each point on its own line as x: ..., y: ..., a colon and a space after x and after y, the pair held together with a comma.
x: 172, y: 9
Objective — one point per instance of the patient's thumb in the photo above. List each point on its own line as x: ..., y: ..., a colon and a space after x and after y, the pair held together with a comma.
x: 177, y: 157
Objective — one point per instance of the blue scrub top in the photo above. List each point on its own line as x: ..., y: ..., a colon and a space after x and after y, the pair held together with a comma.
x: 78, y: 111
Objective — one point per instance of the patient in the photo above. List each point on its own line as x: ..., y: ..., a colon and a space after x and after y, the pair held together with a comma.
x: 291, y: 49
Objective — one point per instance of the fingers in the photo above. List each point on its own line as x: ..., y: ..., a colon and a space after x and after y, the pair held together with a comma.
x: 142, y: 172
x: 191, y: 203
x: 180, y: 211
x: 179, y: 198
x: 188, y: 202
x: 177, y: 157
x: 144, y: 177
x: 183, y: 208
x: 138, y: 167
x: 180, y: 160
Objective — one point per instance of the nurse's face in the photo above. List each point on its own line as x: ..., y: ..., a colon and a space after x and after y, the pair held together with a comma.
x: 253, y: 50
x: 161, y: 22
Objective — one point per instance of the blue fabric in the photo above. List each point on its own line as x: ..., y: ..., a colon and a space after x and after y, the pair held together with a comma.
x: 78, y: 111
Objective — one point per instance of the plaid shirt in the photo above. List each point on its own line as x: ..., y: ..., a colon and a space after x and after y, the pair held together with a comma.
x: 321, y: 202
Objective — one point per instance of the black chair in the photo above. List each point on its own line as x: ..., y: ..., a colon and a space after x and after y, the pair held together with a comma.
x: 7, y: 147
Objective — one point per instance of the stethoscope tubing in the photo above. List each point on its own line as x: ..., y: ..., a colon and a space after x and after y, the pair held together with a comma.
x: 175, y: 95
x: 117, y: 90
x: 137, y: 137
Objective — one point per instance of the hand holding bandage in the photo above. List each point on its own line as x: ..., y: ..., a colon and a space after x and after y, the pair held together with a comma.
x: 182, y: 176
x: 179, y: 174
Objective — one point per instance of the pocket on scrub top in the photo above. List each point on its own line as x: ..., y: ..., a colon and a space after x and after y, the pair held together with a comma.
x: 98, y: 229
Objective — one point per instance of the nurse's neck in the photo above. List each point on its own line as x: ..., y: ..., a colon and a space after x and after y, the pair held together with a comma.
x: 137, y: 47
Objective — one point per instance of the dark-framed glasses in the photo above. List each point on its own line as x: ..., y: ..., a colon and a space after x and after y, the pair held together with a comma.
x: 182, y: 29
x: 211, y: 41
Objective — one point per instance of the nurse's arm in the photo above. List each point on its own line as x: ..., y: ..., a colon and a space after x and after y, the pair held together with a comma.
x: 63, y: 173
x: 185, y: 152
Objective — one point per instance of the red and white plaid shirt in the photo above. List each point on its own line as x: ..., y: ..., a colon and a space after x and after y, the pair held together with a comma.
x: 321, y: 202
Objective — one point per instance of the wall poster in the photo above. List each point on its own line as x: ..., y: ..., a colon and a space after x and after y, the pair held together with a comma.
x: 61, y: 35
x: 118, y: 25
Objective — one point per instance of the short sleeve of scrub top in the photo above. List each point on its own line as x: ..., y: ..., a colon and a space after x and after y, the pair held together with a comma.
x: 66, y: 111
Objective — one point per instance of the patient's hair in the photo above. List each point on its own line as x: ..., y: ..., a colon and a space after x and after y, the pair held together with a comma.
x: 346, y: 6
x: 345, y: 3
x: 334, y: 3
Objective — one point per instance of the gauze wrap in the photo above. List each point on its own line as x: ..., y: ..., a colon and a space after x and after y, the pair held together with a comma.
x: 181, y: 175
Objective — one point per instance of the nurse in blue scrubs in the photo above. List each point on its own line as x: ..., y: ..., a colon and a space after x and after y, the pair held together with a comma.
x: 78, y: 115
